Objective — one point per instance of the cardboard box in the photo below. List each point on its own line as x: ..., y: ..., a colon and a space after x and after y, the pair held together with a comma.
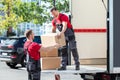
x: 50, y: 63
x: 52, y: 53
x: 51, y: 38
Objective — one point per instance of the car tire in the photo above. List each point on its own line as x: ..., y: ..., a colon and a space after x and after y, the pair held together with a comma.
x: 11, y: 65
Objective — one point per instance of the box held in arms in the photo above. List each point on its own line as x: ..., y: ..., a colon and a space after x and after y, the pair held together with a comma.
x: 51, y: 38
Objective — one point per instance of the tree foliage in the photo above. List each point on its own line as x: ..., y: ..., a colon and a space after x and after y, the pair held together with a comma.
x: 9, y: 18
x: 16, y: 11
x: 30, y: 12
x: 61, y: 5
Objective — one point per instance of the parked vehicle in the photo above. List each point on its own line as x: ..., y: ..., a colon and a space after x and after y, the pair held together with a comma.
x: 12, y: 52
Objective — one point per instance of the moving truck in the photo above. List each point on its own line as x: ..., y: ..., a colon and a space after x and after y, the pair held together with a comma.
x: 97, y: 28
x: 89, y: 22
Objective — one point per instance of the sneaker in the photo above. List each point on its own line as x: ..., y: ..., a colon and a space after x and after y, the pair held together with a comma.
x: 61, y: 68
x: 77, y: 68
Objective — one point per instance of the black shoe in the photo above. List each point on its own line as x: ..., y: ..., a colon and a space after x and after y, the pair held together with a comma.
x: 77, y: 68
x: 61, y: 68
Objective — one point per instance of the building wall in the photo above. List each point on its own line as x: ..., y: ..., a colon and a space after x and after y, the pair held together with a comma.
x: 89, y: 22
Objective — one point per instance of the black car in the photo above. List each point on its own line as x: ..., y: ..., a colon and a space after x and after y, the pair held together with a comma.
x: 12, y: 52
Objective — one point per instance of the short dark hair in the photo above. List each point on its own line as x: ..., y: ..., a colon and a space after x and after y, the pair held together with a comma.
x: 54, y: 8
x: 28, y: 33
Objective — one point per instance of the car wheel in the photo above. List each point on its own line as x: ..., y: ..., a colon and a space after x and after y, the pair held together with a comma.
x: 11, y: 65
x: 23, y: 61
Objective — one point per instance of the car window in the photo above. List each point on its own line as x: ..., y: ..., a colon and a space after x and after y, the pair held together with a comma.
x: 37, y: 39
x: 8, y: 41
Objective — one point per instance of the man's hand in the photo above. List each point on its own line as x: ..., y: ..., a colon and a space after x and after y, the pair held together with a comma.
x: 53, y: 29
x: 57, y: 45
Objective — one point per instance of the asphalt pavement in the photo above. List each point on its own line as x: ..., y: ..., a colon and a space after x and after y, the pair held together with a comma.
x: 19, y: 73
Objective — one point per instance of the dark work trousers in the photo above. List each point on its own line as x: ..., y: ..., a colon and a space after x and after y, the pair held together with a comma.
x: 34, y: 69
x: 70, y: 41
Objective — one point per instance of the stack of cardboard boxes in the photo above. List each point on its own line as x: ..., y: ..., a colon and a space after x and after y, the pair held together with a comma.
x: 50, y: 60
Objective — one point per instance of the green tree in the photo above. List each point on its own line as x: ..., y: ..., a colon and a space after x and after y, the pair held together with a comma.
x: 30, y: 12
x: 9, y: 18
x: 61, y: 5
x: 17, y: 11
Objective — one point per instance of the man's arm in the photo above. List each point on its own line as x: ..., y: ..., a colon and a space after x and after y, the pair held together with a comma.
x: 64, y: 27
x: 53, y: 29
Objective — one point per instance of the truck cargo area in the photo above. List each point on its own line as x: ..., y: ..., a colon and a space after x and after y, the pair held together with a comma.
x: 83, y: 69
x: 87, y: 72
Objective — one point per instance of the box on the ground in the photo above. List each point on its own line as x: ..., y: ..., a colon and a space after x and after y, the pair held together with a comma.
x: 52, y: 53
x: 51, y: 38
x: 50, y: 63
